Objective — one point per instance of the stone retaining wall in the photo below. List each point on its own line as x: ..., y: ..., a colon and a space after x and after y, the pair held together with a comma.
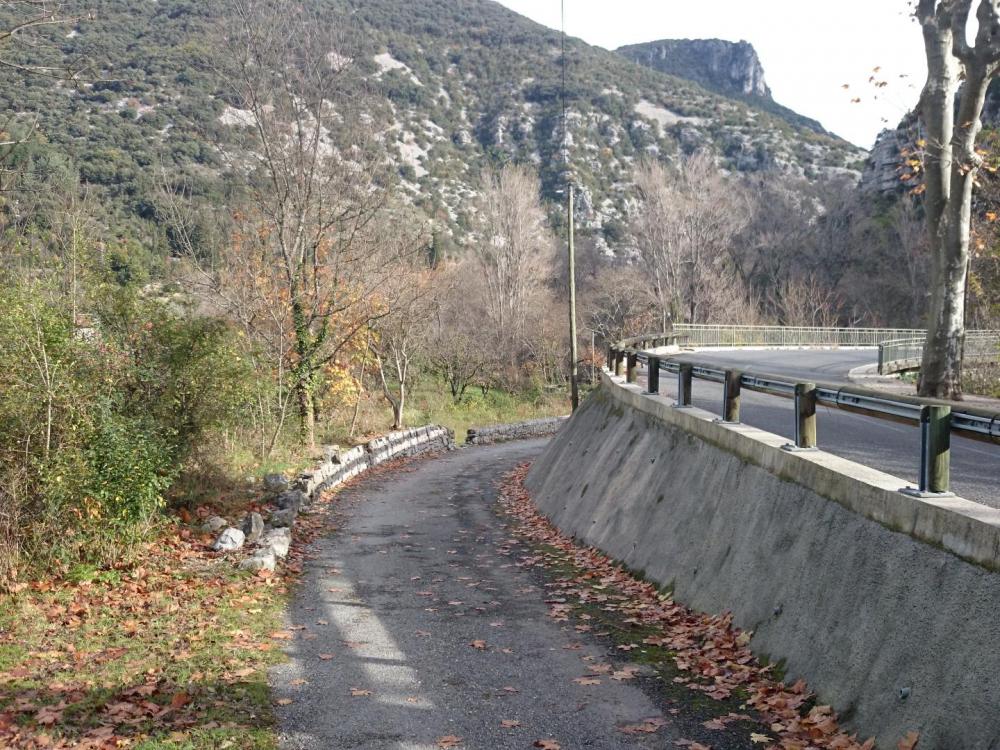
x: 503, y: 433
x: 340, y: 467
x: 270, y: 541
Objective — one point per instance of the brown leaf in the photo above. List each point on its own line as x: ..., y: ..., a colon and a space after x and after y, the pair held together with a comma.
x: 548, y: 745
x: 586, y: 681
x: 325, y: 657
x: 510, y: 723
x: 449, y: 741
x: 909, y: 741
x: 179, y: 700
x: 284, y: 701
x: 481, y: 645
x: 648, y: 726
x: 360, y: 692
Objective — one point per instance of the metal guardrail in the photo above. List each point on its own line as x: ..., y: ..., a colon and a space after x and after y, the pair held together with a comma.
x: 900, y: 355
x: 938, y: 420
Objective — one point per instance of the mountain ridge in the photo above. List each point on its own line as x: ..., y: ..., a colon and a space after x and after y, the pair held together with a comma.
x: 456, y: 89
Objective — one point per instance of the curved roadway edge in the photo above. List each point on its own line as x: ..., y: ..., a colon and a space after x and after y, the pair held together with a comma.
x: 861, y: 590
x: 416, y: 629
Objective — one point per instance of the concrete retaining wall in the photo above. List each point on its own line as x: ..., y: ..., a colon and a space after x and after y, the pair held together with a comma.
x: 862, y: 591
x: 503, y: 433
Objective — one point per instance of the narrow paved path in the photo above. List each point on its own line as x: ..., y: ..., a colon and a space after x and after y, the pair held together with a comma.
x: 412, y: 627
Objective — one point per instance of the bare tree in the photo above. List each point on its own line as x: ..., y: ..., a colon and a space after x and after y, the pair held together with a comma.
x: 313, y: 201
x: 806, y: 301
x: 400, y: 336
x: 457, y: 350
x: 951, y: 165
x: 683, y: 227
x: 513, y: 248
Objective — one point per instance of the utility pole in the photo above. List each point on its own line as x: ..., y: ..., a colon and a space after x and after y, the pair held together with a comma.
x: 573, y: 375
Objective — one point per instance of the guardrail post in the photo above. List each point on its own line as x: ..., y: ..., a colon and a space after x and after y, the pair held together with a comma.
x: 631, y: 374
x: 731, y: 397
x: 653, y: 375
x: 619, y: 362
x: 935, y: 454
x: 685, y: 379
x: 805, y: 416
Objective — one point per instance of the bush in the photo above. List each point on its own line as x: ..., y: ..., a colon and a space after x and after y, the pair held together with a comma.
x: 95, y: 424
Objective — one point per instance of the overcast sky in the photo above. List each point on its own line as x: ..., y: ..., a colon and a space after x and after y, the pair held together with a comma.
x: 809, y: 48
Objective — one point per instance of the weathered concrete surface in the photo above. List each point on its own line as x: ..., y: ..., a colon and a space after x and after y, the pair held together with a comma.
x: 729, y: 520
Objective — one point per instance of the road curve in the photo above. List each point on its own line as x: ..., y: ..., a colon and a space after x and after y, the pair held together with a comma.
x: 416, y: 628
x: 889, y: 447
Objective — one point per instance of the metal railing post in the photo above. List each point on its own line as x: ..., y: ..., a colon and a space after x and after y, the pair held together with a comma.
x: 731, y: 397
x: 631, y: 373
x: 619, y: 362
x: 685, y: 379
x: 935, y: 452
x: 805, y: 416
x: 653, y: 375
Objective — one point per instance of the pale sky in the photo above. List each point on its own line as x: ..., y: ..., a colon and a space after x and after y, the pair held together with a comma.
x: 809, y: 48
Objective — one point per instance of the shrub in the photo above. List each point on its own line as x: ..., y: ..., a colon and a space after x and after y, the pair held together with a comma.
x: 95, y: 424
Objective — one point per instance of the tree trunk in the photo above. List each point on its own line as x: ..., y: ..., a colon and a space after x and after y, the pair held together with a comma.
x: 952, y: 165
x: 937, y: 114
x: 307, y: 414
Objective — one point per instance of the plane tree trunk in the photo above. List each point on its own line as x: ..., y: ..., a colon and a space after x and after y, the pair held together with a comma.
x: 951, y: 165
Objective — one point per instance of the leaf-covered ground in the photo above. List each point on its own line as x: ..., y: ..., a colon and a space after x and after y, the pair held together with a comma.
x: 701, y: 654
x: 170, y: 653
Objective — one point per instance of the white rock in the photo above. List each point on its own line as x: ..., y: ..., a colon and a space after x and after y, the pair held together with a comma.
x: 229, y: 540
x: 278, y: 541
x: 262, y: 560
x: 214, y: 523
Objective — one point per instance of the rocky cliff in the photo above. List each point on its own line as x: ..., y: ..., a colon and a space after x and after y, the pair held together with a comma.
x: 727, y: 67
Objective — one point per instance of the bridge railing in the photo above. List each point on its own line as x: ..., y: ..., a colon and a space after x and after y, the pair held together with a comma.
x: 937, y: 420
x: 708, y: 335
x: 906, y: 354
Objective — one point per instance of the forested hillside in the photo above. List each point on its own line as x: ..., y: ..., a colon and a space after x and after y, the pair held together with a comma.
x: 454, y: 88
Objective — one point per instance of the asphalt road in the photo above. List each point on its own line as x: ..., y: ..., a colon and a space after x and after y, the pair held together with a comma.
x: 390, y: 604
x: 887, y: 446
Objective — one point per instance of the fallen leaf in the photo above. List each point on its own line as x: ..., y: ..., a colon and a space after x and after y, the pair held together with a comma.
x: 759, y: 739
x: 284, y: 701
x: 481, y: 645
x: 548, y: 745
x: 448, y: 741
x: 909, y: 741
x: 325, y: 657
x: 360, y: 692
x: 510, y: 723
x: 586, y: 681
x: 647, y: 726
x: 179, y: 700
